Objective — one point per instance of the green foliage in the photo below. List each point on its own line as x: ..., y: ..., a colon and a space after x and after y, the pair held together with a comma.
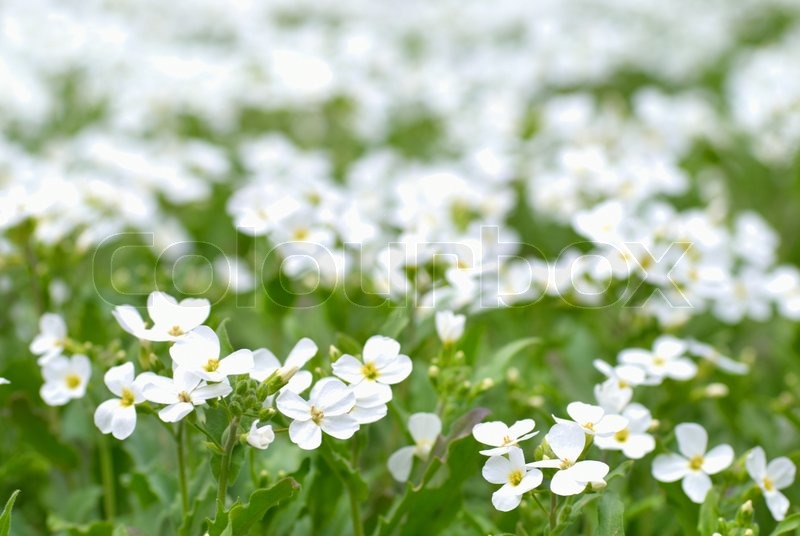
x: 5, y: 516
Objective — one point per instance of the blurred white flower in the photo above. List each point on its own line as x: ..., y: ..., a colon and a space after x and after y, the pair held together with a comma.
x: 424, y: 429
x: 50, y: 341
x: 65, y: 379
x: 694, y: 464
x: 449, y: 326
x: 772, y: 477
x: 666, y: 360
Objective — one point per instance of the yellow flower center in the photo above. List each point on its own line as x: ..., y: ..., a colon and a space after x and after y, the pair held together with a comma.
x: 212, y: 365
x: 589, y: 426
x: 175, y: 331
x: 515, y: 477
x: 127, y: 398
x: 622, y: 435
x: 566, y: 463
x: 370, y: 371
x: 622, y: 384
x: 507, y: 441
x: 301, y: 234
x: 696, y: 462
x: 769, y: 485
x: 316, y: 415
x: 72, y: 380
x: 183, y: 396
x: 658, y: 360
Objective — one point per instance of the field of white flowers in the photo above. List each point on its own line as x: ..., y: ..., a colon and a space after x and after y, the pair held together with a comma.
x: 414, y: 268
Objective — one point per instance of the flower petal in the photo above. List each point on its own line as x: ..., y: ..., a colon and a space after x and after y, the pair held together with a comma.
x: 334, y: 398
x: 395, y: 370
x: 490, y: 433
x: 567, y: 441
x: 506, y: 499
x: 782, y: 472
x: 264, y: 364
x: 692, y: 439
x: 717, y: 459
x: 293, y: 406
x: 239, y: 362
x: 778, y: 505
x: 756, y: 463
x: 696, y: 485
x: 400, y: 463
x: 520, y: 428
x: 124, y: 422
x: 670, y: 467
x: 424, y: 426
x: 583, y: 413
x: 175, y: 412
x: 104, y: 414
x: 379, y: 346
x: 348, y: 368
x: 303, y: 351
x: 563, y: 484
x: 496, y: 470
x: 339, y: 426
x: 119, y: 377
x: 305, y: 434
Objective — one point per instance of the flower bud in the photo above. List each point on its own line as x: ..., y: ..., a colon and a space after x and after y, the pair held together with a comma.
x: 260, y: 437
x: 265, y: 414
x: 716, y: 390
x: 433, y: 371
x: 334, y: 353
x: 744, y: 517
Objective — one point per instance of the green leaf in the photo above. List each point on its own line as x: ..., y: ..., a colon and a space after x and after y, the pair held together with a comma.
x: 5, y: 517
x: 789, y: 524
x: 496, y: 364
x: 242, y: 517
x: 610, y: 515
x: 225, y: 346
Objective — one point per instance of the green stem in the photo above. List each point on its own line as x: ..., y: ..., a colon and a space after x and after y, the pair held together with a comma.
x: 224, y: 469
x: 355, y: 513
x: 107, y: 474
x: 553, y: 508
x: 538, y: 502
x: 182, y: 472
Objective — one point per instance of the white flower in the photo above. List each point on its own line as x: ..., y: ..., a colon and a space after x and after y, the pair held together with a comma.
x: 171, y: 319
x: 65, y: 379
x: 383, y: 365
x: 424, y: 429
x: 326, y: 411
x: 512, y: 473
x: 567, y: 441
x: 593, y: 419
x: 369, y: 407
x: 496, y: 434
x: 130, y: 320
x: 181, y: 393
x: 260, y: 437
x: 49, y: 343
x: 665, y: 361
x: 198, y: 352
x: 265, y: 364
x: 693, y: 465
x: 118, y: 415
x: 4, y: 381
x: 633, y: 440
x: 777, y: 475
x: 449, y: 326
x: 611, y: 397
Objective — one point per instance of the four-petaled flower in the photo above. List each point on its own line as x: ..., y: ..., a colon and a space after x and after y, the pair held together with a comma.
x: 633, y: 440
x: 383, y: 366
x: 567, y: 441
x: 771, y: 478
x: 496, y: 434
x: 449, y: 327
x: 118, y: 415
x: 424, y: 429
x: 693, y: 465
x: 516, y: 478
x: 182, y: 393
x: 593, y: 419
x: 327, y: 410
x: 198, y: 352
x: 666, y: 360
